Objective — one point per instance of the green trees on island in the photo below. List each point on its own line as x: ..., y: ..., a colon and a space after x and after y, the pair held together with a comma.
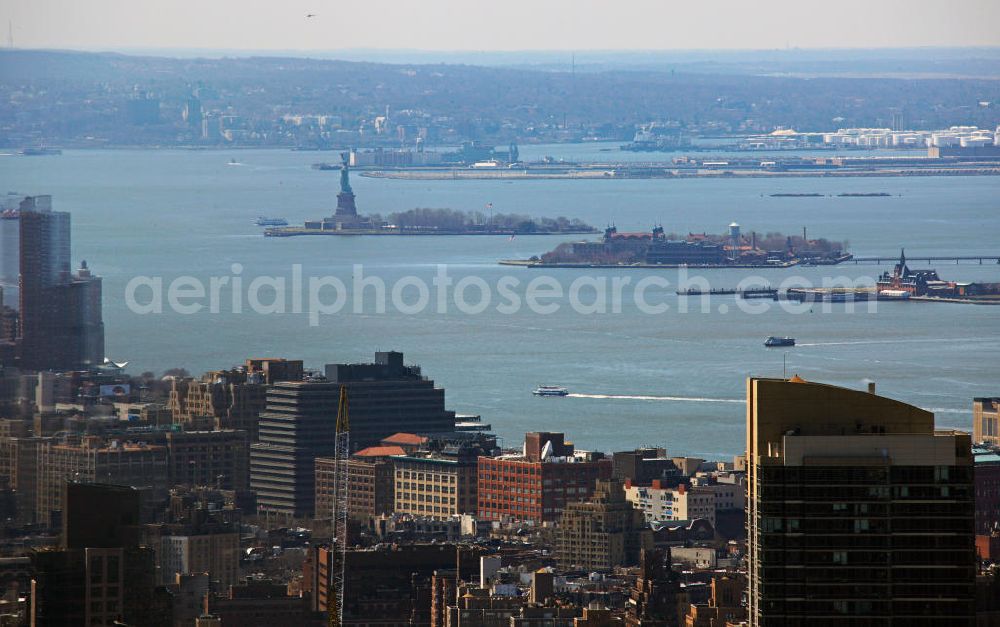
x: 454, y: 220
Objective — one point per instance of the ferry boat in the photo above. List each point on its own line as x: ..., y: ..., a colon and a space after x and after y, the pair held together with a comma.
x: 262, y: 221
x: 550, y: 390
x: 39, y: 151
x: 779, y: 341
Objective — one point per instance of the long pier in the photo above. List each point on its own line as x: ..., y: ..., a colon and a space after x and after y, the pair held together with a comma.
x: 928, y: 259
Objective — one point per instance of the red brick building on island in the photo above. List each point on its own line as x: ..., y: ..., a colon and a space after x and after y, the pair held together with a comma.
x: 913, y: 282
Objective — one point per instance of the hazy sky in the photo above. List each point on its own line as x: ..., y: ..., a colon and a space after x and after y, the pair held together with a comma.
x: 500, y: 24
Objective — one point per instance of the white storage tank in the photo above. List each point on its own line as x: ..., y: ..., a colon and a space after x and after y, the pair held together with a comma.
x: 944, y: 140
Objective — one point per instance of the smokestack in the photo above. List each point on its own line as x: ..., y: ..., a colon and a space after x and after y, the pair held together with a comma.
x: 871, y: 387
x: 804, y: 239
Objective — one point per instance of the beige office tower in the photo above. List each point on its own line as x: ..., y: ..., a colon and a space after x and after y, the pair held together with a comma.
x: 859, y: 512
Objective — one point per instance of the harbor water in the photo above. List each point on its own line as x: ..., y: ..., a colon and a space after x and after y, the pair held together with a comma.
x: 672, y: 378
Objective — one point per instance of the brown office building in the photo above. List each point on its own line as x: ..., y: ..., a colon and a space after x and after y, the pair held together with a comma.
x: 93, y: 460
x: 724, y: 607
x: 602, y: 532
x: 230, y: 399
x: 369, y: 483
x: 317, y: 574
x: 859, y: 512
x: 217, y: 459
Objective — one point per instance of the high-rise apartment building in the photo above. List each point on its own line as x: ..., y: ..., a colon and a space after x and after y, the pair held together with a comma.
x: 10, y: 255
x: 86, y: 321
x: 859, y: 512
x: 60, y: 314
x: 44, y: 275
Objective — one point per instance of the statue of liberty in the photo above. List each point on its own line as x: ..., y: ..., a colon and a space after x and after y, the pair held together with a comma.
x: 345, y: 183
x: 345, y: 199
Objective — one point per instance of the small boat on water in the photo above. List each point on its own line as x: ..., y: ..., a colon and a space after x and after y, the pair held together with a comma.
x: 550, y: 390
x: 779, y: 341
x: 39, y: 151
x: 263, y: 221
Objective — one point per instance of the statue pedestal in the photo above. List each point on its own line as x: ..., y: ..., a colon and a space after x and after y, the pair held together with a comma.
x: 345, y: 204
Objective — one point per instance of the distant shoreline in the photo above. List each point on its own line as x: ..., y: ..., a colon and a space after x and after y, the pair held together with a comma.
x: 596, y: 174
x: 527, y: 263
x: 300, y: 231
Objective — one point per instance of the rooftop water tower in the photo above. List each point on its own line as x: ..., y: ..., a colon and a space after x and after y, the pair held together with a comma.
x: 734, y: 237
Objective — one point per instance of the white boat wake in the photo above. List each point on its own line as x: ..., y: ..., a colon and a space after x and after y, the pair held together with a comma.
x: 897, y: 341
x: 948, y: 410
x: 637, y: 397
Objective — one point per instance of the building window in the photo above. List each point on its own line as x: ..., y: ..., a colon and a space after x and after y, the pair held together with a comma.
x: 113, y: 569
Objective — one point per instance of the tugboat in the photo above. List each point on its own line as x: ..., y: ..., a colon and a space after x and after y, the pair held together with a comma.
x: 262, y: 221
x: 779, y: 341
x: 550, y: 390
